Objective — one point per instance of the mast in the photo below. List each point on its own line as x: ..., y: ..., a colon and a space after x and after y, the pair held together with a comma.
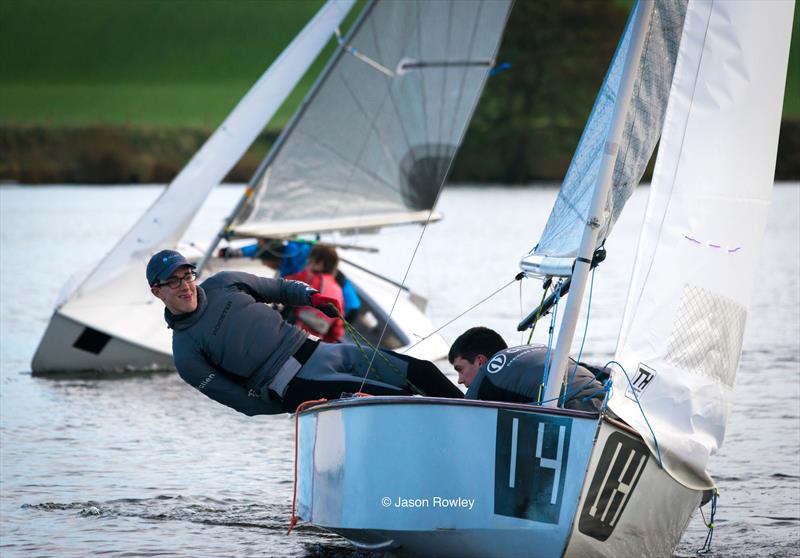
x: 276, y: 148
x: 594, y: 221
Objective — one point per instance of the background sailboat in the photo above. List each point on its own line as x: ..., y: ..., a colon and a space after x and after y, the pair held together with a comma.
x: 546, y: 481
x: 104, y: 320
x: 369, y: 147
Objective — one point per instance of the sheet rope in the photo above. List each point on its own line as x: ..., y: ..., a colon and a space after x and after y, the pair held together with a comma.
x: 706, y: 548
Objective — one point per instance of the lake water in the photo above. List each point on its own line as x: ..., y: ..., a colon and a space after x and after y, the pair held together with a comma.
x: 143, y: 465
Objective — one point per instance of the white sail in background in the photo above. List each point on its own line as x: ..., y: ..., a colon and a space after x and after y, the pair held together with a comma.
x: 375, y: 140
x: 696, y: 265
x: 557, y: 247
x: 168, y: 218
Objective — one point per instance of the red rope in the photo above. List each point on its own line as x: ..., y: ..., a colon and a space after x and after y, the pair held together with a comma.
x: 300, y: 407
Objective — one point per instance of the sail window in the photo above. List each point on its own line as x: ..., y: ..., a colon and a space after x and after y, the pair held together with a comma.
x: 707, y: 335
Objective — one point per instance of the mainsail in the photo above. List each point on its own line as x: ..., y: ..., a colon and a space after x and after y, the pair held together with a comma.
x: 373, y: 144
x: 558, y: 244
x: 699, y: 250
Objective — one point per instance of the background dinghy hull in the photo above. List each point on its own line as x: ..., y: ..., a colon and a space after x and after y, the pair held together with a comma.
x: 132, y: 336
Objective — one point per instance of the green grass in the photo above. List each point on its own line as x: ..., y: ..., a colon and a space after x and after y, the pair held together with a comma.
x: 140, y: 104
x: 173, y: 63
x: 148, y: 62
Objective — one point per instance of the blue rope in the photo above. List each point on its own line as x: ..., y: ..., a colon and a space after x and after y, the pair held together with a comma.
x: 583, y: 341
x: 557, y: 293
x: 655, y: 441
x: 707, y: 545
x: 607, y: 388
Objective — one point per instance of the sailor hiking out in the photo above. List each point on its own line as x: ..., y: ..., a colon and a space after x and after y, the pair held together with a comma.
x: 231, y: 345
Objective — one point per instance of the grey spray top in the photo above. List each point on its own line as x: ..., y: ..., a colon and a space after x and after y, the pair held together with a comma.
x: 516, y: 374
x: 234, y: 341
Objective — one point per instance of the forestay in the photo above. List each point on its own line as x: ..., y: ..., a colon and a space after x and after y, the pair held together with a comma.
x: 699, y: 251
x: 558, y: 244
x: 375, y: 140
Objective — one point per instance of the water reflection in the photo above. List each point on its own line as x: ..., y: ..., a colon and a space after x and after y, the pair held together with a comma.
x: 140, y: 464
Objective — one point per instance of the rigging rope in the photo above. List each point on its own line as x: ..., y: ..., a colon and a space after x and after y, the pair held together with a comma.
x: 545, y: 288
x: 583, y: 341
x: 358, y: 338
x: 633, y: 390
x: 557, y: 292
x: 300, y: 407
x: 521, y: 334
x: 706, y: 548
x: 518, y: 277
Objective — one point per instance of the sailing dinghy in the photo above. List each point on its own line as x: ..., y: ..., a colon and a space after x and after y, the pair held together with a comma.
x: 440, y: 477
x: 369, y: 147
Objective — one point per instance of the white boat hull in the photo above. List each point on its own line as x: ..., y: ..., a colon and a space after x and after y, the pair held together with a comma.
x: 112, y: 333
x: 69, y: 345
x: 440, y: 477
x: 625, y: 514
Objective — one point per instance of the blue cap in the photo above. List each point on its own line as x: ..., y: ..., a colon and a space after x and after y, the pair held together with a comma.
x: 163, y: 264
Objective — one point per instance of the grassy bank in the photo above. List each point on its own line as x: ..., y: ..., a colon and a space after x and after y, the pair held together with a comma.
x: 103, y: 154
x: 177, y: 63
x: 104, y: 91
x: 125, y: 154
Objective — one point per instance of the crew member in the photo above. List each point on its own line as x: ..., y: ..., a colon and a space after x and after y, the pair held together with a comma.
x: 237, y: 350
x: 493, y: 372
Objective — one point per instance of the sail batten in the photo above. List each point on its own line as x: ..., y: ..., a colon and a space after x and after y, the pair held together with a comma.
x: 386, y: 121
x: 287, y: 229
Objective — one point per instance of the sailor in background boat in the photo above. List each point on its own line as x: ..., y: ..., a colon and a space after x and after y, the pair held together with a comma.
x: 284, y: 257
x: 290, y: 257
x: 319, y: 274
x: 239, y: 351
x: 493, y: 372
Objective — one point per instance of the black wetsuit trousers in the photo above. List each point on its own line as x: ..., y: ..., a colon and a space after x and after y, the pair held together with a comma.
x: 333, y: 369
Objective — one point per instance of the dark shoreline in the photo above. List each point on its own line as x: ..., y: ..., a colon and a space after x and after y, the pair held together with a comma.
x: 105, y: 154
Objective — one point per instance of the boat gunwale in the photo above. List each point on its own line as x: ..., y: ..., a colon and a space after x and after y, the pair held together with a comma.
x: 529, y: 407
x: 400, y: 400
